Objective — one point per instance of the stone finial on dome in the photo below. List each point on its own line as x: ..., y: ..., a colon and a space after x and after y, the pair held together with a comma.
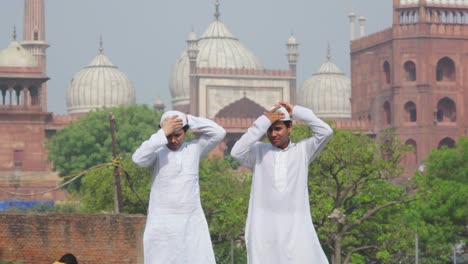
x: 14, y: 33
x: 101, y: 49
x: 328, y: 52
x: 217, y: 14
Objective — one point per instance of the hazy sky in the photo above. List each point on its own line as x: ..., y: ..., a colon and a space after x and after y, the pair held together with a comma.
x: 144, y: 38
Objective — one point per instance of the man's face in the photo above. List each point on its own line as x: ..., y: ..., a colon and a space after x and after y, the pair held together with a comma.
x: 278, y: 134
x: 175, y: 140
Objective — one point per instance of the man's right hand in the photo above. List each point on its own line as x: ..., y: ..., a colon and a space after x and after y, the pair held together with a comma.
x: 274, y: 116
x: 171, y: 124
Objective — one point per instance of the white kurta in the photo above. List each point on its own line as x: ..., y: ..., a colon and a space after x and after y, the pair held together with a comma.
x: 176, y: 230
x: 279, y: 227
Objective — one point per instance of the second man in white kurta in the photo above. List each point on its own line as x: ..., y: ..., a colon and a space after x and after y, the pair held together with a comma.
x: 279, y: 227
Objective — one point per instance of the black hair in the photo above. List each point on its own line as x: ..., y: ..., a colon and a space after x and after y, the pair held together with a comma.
x: 68, y: 258
x: 288, y: 123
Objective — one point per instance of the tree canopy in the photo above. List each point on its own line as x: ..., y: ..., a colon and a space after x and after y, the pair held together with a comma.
x: 442, y: 205
x: 350, y: 190
x: 87, y: 142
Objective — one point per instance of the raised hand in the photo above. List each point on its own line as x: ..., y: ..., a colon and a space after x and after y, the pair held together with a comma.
x: 288, y: 107
x: 171, y: 124
x: 274, y: 116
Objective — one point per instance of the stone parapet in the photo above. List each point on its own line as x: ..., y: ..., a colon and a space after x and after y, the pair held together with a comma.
x: 245, y: 72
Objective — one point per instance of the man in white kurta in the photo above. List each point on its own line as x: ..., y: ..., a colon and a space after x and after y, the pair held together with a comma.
x: 279, y: 227
x: 176, y: 230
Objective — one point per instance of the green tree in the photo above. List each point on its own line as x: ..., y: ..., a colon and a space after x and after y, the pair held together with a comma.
x: 87, y: 142
x: 225, y: 197
x: 351, y: 194
x: 97, y: 188
x: 442, y: 204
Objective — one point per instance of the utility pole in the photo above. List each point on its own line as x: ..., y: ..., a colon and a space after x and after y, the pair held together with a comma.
x: 118, y: 188
x: 416, y: 248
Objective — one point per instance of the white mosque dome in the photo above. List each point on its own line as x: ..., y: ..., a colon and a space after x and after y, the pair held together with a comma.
x: 328, y: 92
x: 217, y: 48
x: 16, y: 56
x: 100, y: 84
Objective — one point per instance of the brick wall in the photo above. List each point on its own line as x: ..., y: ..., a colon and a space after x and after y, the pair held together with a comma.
x: 92, y: 238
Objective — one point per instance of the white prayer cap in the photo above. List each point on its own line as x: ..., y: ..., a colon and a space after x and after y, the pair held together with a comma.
x: 173, y: 113
x: 283, y: 110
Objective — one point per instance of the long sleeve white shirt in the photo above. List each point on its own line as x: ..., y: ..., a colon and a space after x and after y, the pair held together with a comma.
x: 176, y: 229
x: 279, y: 227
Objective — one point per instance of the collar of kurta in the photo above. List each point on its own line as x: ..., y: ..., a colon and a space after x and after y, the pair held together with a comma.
x: 286, y: 148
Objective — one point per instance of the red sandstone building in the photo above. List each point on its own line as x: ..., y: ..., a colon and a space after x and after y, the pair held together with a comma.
x: 413, y: 77
x: 24, y: 120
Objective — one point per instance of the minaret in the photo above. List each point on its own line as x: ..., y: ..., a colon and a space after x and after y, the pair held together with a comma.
x: 352, y: 18
x: 217, y: 14
x: 34, y: 39
x: 192, y: 53
x: 362, y: 21
x: 293, y: 54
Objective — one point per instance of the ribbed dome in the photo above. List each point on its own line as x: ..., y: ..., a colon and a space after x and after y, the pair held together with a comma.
x: 100, y: 84
x: 217, y: 48
x: 16, y: 56
x: 328, y: 92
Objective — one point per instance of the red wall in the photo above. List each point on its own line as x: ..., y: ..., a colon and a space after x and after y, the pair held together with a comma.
x: 92, y: 238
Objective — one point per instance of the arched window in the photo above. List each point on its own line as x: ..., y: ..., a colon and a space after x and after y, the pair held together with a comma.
x: 445, y: 70
x: 446, y: 110
x: 411, y: 158
x: 410, y: 112
x: 387, y: 73
x: 447, y: 142
x: 410, y: 71
x: 387, y: 113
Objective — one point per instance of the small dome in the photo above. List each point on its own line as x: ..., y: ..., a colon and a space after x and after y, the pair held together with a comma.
x: 192, y: 36
x: 100, y: 84
x: 16, y: 56
x: 218, y: 48
x: 328, y: 92
x: 292, y: 40
x: 159, y: 104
